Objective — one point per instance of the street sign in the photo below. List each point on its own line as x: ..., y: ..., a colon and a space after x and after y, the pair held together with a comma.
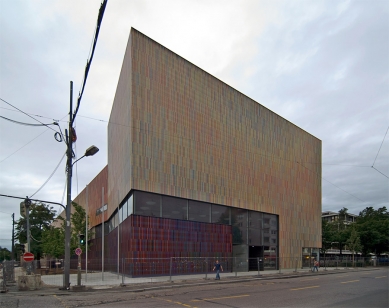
x: 28, y: 257
x: 78, y: 251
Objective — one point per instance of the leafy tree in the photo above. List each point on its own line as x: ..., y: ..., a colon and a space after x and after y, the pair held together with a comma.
x: 5, y: 254
x: 373, y: 228
x: 340, y: 230
x: 354, y: 242
x: 54, y: 238
x: 78, y: 225
x: 327, y: 235
x: 41, y: 216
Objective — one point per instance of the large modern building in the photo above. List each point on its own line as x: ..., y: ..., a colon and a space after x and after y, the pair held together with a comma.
x: 197, y: 169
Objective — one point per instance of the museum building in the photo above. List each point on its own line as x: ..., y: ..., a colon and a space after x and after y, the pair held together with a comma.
x: 198, y: 170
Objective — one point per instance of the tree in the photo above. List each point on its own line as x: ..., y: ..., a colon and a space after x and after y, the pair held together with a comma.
x: 340, y: 230
x: 78, y: 225
x: 5, y: 254
x: 354, y: 242
x: 54, y: 238
x: 41, y: 216
x: 373, y: 228
x: 327, y: 235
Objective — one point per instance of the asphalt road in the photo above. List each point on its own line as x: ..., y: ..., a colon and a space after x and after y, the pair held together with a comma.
x: 350, y: 289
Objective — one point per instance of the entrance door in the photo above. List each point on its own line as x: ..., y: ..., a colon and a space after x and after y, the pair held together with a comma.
x: 255, y: 252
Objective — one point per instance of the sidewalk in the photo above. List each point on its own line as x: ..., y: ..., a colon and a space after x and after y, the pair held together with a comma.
x: 113, y: 281
x: 109, y: 279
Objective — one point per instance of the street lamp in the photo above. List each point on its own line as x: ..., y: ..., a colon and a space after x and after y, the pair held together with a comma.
x: 92, y: 150
x: 70, y: 138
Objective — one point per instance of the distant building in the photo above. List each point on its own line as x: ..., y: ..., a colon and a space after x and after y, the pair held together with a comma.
x: 197, y: 169
x: 333, y: 216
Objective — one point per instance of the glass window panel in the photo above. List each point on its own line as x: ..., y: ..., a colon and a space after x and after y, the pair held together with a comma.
x: 255, y: 220
x: 130, y: 206
x: 116, y: 220
x: 175, y: 208
x: 239, y: 226
x: 255, y: 237
x: 199, y: 211
x: 147, y: 204
x: 220, y: 214
x: 125, y: 213
x: 120, y: 215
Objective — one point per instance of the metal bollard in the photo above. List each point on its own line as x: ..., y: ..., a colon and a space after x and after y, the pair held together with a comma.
x: 171, y: 264
x: 258, y: 266
x: 122, y: 270
x: 206, y: 269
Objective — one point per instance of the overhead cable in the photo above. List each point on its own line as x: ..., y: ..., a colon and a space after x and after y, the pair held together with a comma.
x: 27, y: 124
x: 88, y: 63
x: 25, y: 113
x: 380, y: 146
x: 51, y: 175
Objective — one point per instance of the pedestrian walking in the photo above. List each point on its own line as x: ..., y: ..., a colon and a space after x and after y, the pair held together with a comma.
x: 217, y: 267
x: 315, y: 266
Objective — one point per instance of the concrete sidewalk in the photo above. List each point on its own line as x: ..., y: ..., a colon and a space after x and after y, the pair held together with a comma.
x: 113, y: 281
x: 109, y: 280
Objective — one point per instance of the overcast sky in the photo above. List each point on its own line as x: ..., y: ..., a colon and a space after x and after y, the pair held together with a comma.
x: 323, y: 65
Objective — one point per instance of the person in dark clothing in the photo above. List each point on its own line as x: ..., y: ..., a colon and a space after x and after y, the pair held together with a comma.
x: 217, y: 267
x: 315, y: 266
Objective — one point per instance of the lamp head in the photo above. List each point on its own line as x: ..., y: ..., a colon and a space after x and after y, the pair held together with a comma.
x: 92, y: 150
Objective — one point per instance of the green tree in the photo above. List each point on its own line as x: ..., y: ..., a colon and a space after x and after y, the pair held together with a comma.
x: 41, y: 217
x: 5, y: 254
x: 340, y: 230
x: 78, y: 225
x: 54, y: 238
x: 373, y: 228
x: 354, y: 242
x: 327, y: 235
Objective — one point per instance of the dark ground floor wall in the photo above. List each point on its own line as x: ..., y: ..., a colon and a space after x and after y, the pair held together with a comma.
x: 150, y: 246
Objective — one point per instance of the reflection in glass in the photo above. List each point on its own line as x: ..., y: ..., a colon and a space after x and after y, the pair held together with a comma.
x: 255, y: 220
x: 147, y: 204
x: 174, y: 208
x: 220, y: 214
x: 120, y: 215
x: 125, y: 210
x: 130, y: 206
x: 239, y: 226
x: 199, y: 211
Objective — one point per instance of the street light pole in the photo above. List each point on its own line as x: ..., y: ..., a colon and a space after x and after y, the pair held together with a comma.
x: 69, y: 153
x: 92, y: 150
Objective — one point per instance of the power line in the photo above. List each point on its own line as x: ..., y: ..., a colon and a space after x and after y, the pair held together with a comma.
x: 33, y: 140
x: 380, y: 172
x: 334, y: 184
x: 23, y: 146
x: 324, y: 164
x: 27, y: 124
x: 51, y: 175
x: 380, y: 147
x: 25, y: 113
x: 88, y: 63
x: 35, y: 115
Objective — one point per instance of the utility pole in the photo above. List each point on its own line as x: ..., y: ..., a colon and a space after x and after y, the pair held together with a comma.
x: 27, y: 203
x: 13, y: 237
x: 69, y: 142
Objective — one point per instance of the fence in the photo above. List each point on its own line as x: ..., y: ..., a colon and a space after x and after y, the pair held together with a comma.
x: 7, y: 271
x: 112, y: 272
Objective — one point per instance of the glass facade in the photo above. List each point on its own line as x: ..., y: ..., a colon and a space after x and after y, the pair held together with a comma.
x: 253, y: 234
